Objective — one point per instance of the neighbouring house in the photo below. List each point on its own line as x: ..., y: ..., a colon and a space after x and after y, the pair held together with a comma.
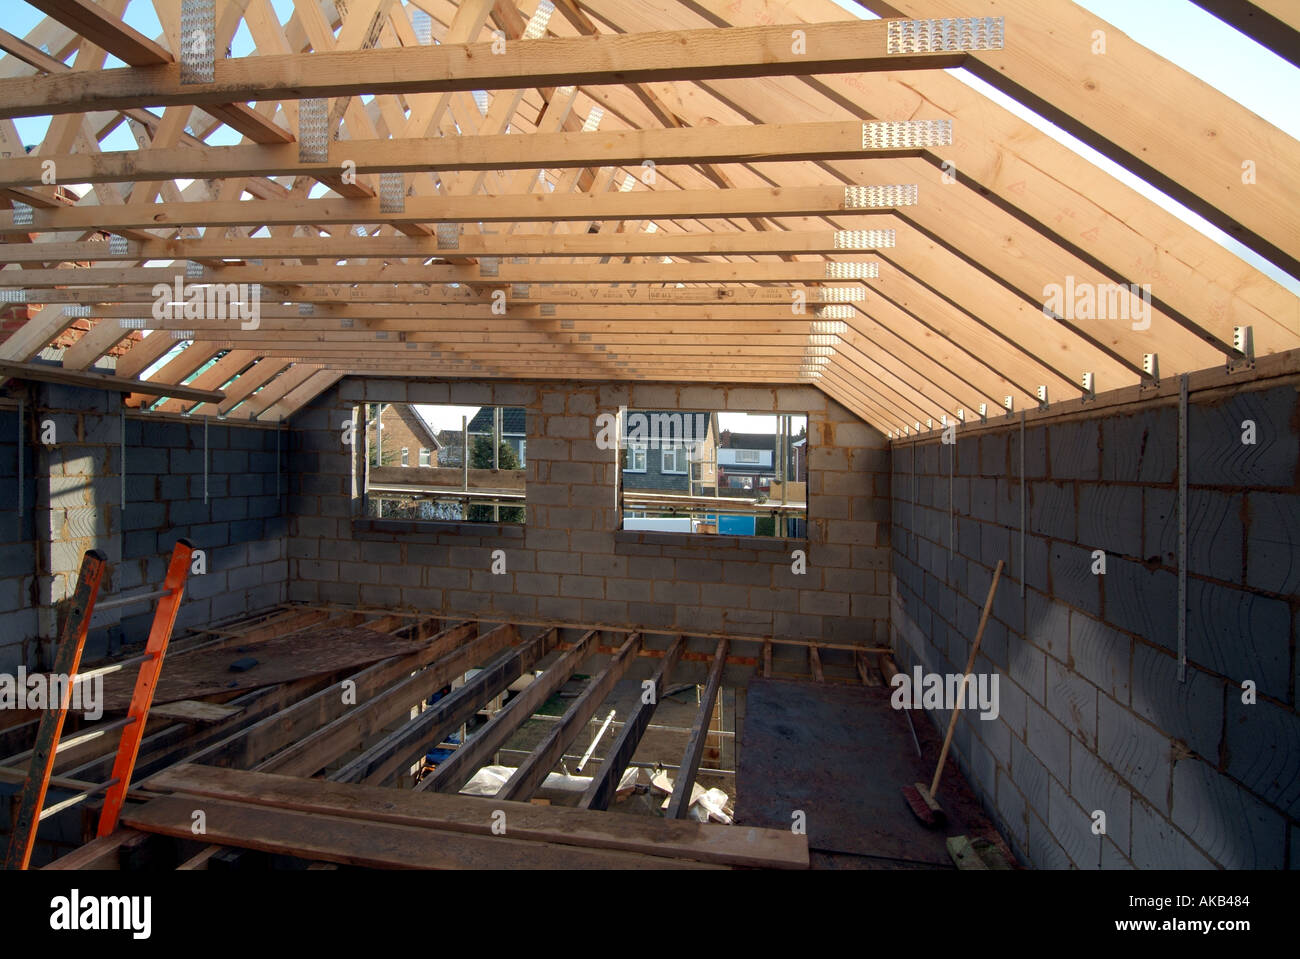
x: 670, y: 452
x: 451, y: 449
x: 514, y: 428
x: 402, y: 437
x: 746, y: 462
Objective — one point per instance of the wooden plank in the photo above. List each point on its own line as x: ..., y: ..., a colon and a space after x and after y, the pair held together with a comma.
x: 433, y: 298
x: 1131, y: 93
x: 178, y: 741
x: 375, y: 845
x: 606, y: 779
x: 101, y: 853
x: 635, y: 205
x: 195, y: 711
x: 199, y: 860
x: 472, y: 755
x: 717, y: 144
x: 106, y: 31
x: 680, y: 801
x: 530, y: 774
x: 295, y: 722
x: 281, y: 659
x: 142, y: 355
x: 1068, y: 200
x: 352, y: 247
x: 710, y: 842
x: 401, y: 747
x: 854, y: 46
x: 963, y: 854
x: 1278, y: 28
x: 866, y: 671
x: 815, y: 664
x: 105, y: 335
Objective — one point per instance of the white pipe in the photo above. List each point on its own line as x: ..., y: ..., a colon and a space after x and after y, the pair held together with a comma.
x: 592, y: 748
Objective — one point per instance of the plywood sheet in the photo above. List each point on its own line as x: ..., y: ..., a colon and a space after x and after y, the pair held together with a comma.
x: 840, y: 754
x: 282, y: 659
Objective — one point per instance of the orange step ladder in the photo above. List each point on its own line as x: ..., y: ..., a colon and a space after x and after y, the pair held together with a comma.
x: 160, y: 634
x: 67, y: 661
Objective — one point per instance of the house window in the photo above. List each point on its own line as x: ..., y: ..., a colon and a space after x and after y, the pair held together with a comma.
x: 716, y: 473
x: 473, y: 472
x: 674, y: 459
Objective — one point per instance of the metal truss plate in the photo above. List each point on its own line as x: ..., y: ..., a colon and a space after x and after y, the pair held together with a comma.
x: 852, y: 271
x: 865, y: 239
x: 906, y: 134
x: 313, y: 130
x: 392, y: 192
x: 945, y: 35
x: 881, y: 196
x: 198, y: 41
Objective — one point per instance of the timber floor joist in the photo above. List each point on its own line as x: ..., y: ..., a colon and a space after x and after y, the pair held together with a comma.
x: 292, y: 767
x: 672, y: 191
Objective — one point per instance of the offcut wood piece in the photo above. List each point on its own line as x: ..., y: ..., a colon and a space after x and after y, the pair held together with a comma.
x: 375, y: 844
x: 711, y: 842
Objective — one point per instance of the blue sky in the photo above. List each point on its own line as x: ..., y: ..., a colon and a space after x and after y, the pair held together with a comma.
x: 1176, y: 29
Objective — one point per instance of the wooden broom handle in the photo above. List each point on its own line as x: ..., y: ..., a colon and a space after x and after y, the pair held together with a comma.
x: 970, y: 665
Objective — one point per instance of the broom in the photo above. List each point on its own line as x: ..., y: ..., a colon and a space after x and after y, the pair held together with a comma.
x: 921, y: 800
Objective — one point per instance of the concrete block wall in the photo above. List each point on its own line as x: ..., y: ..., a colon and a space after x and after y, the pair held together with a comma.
x: 73, y: 502
x: 1093, y: 714
x: 17, y: 544
x: 241, y: 527
x: 76, y: 437
x: 570, y: 562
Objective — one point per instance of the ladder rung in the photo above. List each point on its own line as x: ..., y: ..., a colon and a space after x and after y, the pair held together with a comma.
x: 127, y: 600
x: 75, y: 800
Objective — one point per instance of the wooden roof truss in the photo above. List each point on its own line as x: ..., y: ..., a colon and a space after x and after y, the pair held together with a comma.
x: 738, y: 190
